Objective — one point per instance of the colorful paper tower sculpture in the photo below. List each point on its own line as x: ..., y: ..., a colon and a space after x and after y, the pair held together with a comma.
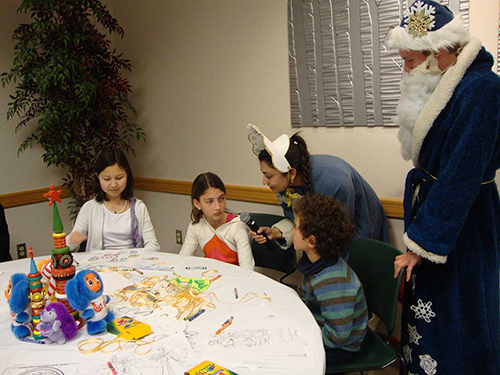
x: 62, y: 260
x: 37, y: 300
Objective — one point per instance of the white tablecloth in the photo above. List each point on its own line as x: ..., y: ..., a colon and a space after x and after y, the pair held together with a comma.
x: 266, y: 337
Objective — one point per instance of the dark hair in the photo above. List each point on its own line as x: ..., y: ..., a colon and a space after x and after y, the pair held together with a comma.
x: 298, y: 158
x: 106, y: 159
x: 324, y: 218
x: 200, y: 185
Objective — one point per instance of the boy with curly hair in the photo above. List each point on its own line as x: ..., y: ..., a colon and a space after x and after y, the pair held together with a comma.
x: 332, y: 291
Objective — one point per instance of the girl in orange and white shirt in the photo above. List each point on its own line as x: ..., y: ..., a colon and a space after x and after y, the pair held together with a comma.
x: 221, y: 234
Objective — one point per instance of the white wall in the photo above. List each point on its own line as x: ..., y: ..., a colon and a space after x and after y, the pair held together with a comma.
x: 201, y: 71
x: 27, y: 224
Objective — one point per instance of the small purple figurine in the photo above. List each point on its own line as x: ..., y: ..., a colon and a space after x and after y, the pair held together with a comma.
x: 57, y: 324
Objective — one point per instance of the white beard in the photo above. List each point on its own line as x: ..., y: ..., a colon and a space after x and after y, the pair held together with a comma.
x: 416, y: 88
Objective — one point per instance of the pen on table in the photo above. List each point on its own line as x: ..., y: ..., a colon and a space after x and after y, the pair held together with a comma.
x: 236, y: 293
x: 226, y: 324
x: 25, y: 339
x: 215, y: 278
x: 191, y: 318
x: 196, y: 268
x: 138, y: 271
x: 112, y: 368
x: 76, y: 262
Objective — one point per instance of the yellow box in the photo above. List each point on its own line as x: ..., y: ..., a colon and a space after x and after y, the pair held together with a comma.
x: 128, y: 328
x: 209, y: 368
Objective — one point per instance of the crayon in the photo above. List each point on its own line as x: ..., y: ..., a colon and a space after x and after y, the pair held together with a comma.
x: 112, y: 368
x: 196, y: 268
x: 196, y: 315
x: 224, y: 326
x: 25, y: 339
x: 228, y: 320
x: 215, y: 278
x: 236, y: 293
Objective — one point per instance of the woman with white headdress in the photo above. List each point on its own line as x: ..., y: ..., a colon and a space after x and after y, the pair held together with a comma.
x: 290, y: 172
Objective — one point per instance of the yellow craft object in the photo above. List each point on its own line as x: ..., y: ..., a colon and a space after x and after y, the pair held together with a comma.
x: 129, y: 328
x: 291, y: 196
x: 199, y: 285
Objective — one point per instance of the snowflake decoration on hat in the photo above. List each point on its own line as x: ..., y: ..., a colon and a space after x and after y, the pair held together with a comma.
x: 423, y: 311
x: 413, y: 334
x: 428, y: 364
x: 419, y: 19
x: 407, y: 353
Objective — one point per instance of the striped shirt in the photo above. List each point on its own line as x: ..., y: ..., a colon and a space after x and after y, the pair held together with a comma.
x: 335, y: 297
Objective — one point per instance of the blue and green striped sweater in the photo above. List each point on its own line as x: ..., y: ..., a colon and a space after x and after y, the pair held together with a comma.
x: 335, y: 296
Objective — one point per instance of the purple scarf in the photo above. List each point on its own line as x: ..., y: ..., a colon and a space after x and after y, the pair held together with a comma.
x: 136, y: 238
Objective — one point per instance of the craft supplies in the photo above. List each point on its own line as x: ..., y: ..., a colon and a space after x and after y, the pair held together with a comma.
x: 209, y: 368
x: 112, y: 368
x: 215, y: 278
x: 138, y: 271
x: 236, y: 293
x: 25, y: 339
x: 128, y: 328
x: 196, y: 315
x: 196, y: 268
x: 97, y: 344
x: 226, y: 324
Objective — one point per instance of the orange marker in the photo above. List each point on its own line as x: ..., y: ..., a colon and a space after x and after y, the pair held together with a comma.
x: 215, y: 278
x: 224, y: 326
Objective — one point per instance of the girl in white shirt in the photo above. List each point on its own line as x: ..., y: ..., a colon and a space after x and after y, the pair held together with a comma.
x: 114, y: 219
x: 221, y: 234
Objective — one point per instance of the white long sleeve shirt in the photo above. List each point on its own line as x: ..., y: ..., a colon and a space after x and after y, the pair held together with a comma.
x: 90, y: 221
x: 229, y: 243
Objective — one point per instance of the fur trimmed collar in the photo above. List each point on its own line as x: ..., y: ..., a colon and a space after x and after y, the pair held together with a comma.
x: 442, y: 95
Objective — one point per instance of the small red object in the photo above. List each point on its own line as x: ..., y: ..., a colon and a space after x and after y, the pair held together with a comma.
x: 215, y: 278
x: 53, y: 195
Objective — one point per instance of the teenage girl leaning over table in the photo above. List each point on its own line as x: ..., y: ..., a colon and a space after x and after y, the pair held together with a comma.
x: 290, y: 172
x: 114, y: 219
x: 220, y: 233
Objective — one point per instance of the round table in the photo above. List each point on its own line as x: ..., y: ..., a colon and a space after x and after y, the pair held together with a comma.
x: 271, y: 331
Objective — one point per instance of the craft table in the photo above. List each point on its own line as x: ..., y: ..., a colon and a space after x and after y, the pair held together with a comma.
x: 272, y: 331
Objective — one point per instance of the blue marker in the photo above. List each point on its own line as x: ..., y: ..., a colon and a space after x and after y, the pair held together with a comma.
x: 25, y: 339
x: 196, y: 315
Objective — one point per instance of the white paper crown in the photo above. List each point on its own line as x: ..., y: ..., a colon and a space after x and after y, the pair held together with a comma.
x: 276, y: 149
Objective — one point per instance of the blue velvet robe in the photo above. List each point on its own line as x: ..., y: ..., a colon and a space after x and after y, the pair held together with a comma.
x: 451, y: 304
x: 336, y: 178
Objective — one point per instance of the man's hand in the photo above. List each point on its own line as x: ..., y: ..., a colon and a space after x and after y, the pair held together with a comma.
x: 271, y: 233
x: 408, y: 259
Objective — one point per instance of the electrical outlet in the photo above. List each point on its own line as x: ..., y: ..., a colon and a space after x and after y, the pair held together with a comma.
x: 178, y: 237
x: 22, y: 252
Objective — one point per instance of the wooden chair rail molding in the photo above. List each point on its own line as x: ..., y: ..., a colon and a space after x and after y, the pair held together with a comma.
x: 393, y: 207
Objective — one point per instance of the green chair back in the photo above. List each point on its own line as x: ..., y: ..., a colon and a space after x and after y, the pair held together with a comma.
x: 277, y: 258
x: 373, y: 262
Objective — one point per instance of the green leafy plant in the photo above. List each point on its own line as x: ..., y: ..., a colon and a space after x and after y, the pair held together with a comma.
x: 69, y: 88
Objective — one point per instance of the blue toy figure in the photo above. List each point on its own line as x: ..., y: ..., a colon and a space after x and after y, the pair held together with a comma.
x: 84, y: 293
x: 17, y: 294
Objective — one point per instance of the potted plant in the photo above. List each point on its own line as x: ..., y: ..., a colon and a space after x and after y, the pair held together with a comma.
x: 70, y: 89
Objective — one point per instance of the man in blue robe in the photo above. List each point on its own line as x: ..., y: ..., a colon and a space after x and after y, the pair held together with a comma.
x: 451, y: 132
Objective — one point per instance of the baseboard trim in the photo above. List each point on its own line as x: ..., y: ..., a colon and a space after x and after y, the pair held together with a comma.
x: 393, y: 207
